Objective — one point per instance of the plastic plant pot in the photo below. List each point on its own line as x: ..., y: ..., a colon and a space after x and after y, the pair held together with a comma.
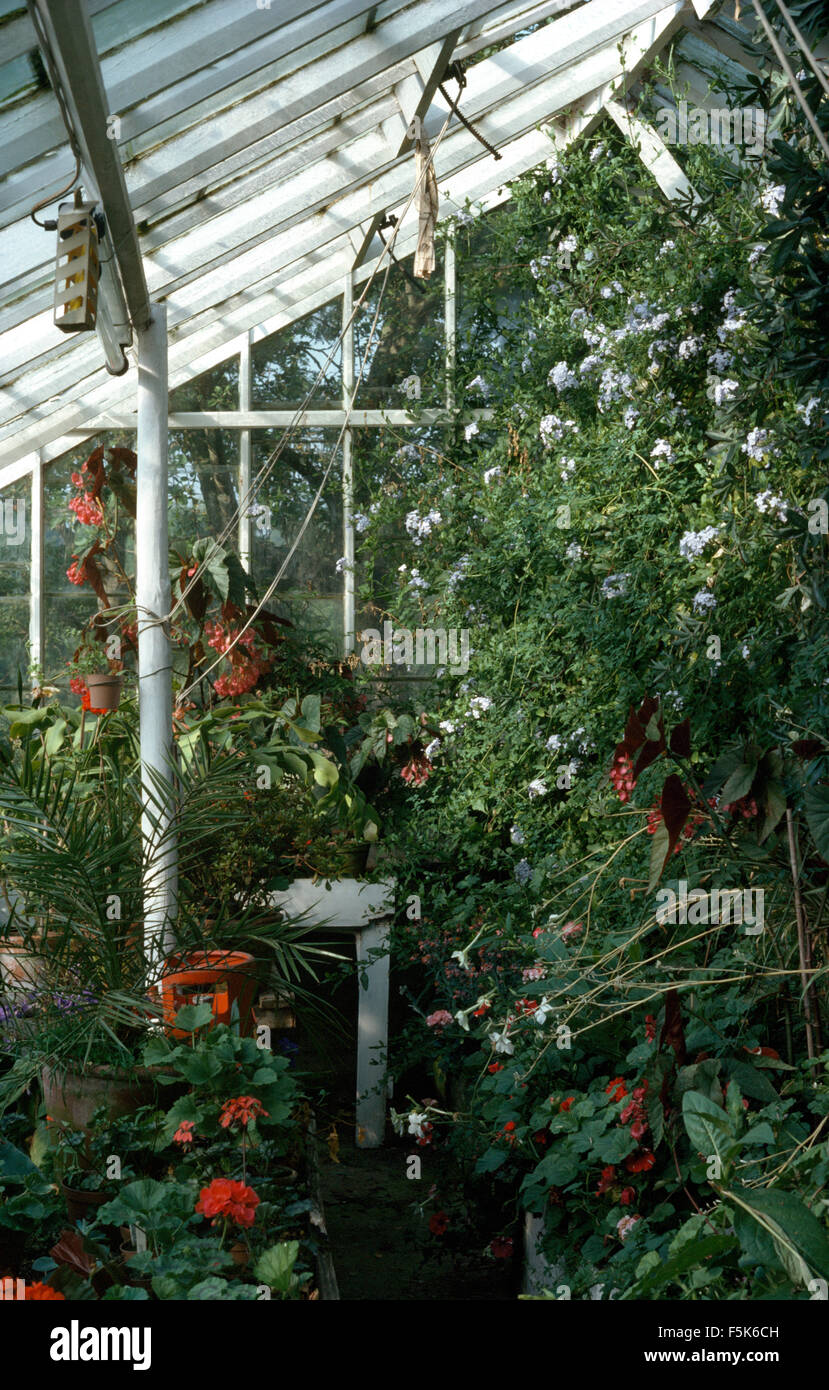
x: 218, y: 978
x: 104, y: 691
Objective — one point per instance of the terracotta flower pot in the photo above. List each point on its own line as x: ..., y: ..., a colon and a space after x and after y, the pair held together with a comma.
x: 74, y: 1096
x: 81, y: 1205
x: 240, y: 1253
x: 104, y: 690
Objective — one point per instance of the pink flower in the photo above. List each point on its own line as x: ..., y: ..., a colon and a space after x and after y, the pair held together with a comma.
x: 625, y: 1225
x: 439, y: 1019
x: 571, y: 929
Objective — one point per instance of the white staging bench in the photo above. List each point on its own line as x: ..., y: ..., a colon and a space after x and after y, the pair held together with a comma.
x: 355, y: 905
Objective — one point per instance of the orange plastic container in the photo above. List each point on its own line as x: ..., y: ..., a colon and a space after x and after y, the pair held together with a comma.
x: 218, y: 978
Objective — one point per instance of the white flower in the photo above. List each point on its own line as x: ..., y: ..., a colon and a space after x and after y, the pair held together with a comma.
x: 771, y: 200
x: 461, y: 1018
x: 662, y: 449
x: 416, y: 1123
x: 665, y: 248
x: 768, y: 502
x: 478, y: 705
x: 755, y: 253
x: 420, y: 526
x: 577, y: 316
x: 342, y: 565
x: 574, y: 551
x: 501, y: 1043
x: 361, y: 521
x: 523, y: 871
x: 694, y: 542
x: 552, y: 428
x: 416, y: 580
x: 543, y: 1012
x: 689, y: 347
x: 806, y: 411
x: 447, y: 726
x: 745, y: 651
x: 569, y: 467
x: 704, y: 601
x: 553, y: 743
x: 516, y: 835
x: 721, y: 359
x: 561, y: 377
x: 725, y: 390
x: 432, y: 748
x: 470, y: 430
x: 630, y: 417
x: 757, y: 445
x: 568, y: 243
x: 597, y: 151
x: 537, y: 787
x: 615, y: 585
x: 491, y: 473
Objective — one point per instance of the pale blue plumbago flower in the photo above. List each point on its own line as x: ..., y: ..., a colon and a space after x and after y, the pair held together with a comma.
x: 755, y: 253
x: 432, y: 748
x: 501, y: 1043
x: 662, y: 449
x: 361, y: 521
x: 615, y: 585
x: 806, y: 411
x: 537, y: 787
x: 478, y: 705
x: 561, y: 377
x: 771, y: 200
x: 721, y: 359
x: 746, y: 651
x: 470, y: 430
x: 478, y: 384
x: 724, y: 391
x: 342, y: 565
x: 757, y: 445
x: 523, y: 871
x: 491, y: 473
x: 447, y: 726
x: 704, y: 601
x: 630, y: 417
x: 574, y: 551
x: 768, y: 502
x: 694, y: 542
x: 516, y: 835
x: 553, y: 743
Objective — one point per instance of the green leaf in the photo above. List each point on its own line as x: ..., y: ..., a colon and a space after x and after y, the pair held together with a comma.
x: 13, y: 1162
x: 691, y: 1256
x: 275, y: 1266
x: 738, y: 783
x: 490, y: 1161
x: 816, y: 802
x: 799, y: 1240
x: 709, y: 1128
x: 193, y: 1016
x: 660, y: 842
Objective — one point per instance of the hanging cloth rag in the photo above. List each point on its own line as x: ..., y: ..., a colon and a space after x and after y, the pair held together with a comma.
x: 427, y: 209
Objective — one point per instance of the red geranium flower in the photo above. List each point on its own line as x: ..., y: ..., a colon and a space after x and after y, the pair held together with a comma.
x: 438, y: 1223
x: 640, y: 1163
x: 565, y: 1104
x: 501, y: 1247
x: 495, y: 1066
x: 227, y: 1198
x: 627, y: 1196
x: 607, y: 1180
x: 650, y: 1027
x: 241, y: 1110
x: 184, y: 1133
x: 44, y: 1292
x: 616, y: 1088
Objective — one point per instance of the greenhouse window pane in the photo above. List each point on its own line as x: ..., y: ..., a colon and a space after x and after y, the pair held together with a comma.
x: 15, y: 557
x: 217, y: 389
x: 310, y: 593
x: 285, y: 366
x: 402, y: 356
x: 203, y: 485
x: 68, y: 607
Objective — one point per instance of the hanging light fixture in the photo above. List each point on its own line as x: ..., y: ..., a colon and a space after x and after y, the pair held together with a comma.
x: 76, y: 267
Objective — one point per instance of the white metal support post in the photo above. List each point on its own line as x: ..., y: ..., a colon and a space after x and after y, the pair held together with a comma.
x: 152, y: 572
x: 450, y: 318
x: 349, y: 608
x: 372, y: 945
x: 245, y: 396
x: 36, y: 628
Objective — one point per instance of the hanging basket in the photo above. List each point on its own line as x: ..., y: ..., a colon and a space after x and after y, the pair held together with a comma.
x: 104, y: 691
